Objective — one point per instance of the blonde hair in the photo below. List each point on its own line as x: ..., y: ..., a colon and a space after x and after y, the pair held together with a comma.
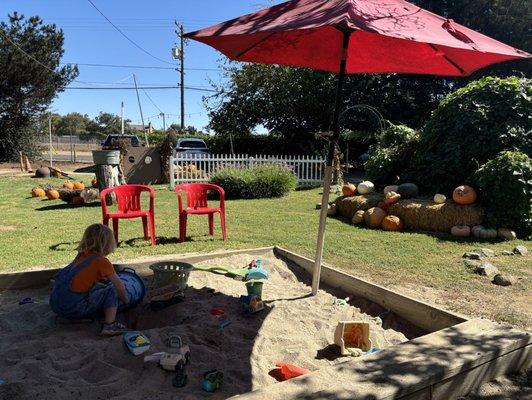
x: 97, y: 239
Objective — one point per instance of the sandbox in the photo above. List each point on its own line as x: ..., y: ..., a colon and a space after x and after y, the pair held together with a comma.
x: 426, y: 352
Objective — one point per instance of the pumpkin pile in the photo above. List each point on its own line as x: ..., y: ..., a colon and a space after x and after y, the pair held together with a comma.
x: 70, y: 192
x: 377, y: 217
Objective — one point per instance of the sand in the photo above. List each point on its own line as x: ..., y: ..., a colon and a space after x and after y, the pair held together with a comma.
x: 44, y: 357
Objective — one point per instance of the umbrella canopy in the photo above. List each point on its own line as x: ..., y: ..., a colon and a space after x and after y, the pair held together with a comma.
x: 354, y: 36
x: 386, y: 36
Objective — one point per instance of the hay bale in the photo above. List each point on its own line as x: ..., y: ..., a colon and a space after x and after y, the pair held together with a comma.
x: 417, y: 214
x: 348, y: 206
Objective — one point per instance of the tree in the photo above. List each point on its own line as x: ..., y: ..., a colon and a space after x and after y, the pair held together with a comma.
x: 73, y: 124
x: 107, y: 124
x: 296, y: 103
x: 30, y: 53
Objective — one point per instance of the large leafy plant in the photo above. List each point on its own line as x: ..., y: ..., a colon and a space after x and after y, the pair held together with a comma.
x: 505, y: 188
x: 470, y: 127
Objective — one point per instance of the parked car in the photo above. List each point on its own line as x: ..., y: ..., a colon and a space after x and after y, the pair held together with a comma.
x: 191, y: 146
x: 111, y: 142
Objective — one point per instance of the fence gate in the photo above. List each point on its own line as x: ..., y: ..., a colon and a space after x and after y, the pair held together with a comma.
x: 188, y: 168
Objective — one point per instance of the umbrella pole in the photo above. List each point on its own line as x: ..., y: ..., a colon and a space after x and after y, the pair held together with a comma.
x: 329, y: 166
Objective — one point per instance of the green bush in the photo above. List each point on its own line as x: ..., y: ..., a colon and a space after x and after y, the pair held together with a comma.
x: 260, y: 181
x: 470, y: 127
x: 393, y: 153
x: 505, y: 191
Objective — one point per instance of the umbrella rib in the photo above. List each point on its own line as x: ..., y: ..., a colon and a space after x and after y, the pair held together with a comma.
x: 254, y: 45
x: 454, y: 64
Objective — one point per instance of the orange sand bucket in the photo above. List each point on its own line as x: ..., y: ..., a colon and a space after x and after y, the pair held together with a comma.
x: 289, y: 371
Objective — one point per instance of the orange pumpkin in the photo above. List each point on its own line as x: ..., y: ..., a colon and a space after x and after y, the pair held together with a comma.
x: 391, y: 198
x: 78, y: 200
x: 68, y: 185
x: 52, y: 194
x: 392, y: 223
x: 349, y: 189
x: 358, y: 217
x: 464, y: 195
x: 374, y: 217
x: 38, y: 192
x: 79, y: 186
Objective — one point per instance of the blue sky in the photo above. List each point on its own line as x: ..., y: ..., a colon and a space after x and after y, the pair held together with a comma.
x: 90, y: 39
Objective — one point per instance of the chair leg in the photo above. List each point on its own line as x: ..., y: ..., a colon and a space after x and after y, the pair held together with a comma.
x: 224, y: 231
x: 105, y: 221
x: 211, y: 224
x: 152, y: 230
x: 145, y: 227
x: 115, y: 229
x: 182, y: 227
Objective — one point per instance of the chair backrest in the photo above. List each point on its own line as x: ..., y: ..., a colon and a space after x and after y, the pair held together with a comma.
x: 127, y: 197
x: 197, y: 194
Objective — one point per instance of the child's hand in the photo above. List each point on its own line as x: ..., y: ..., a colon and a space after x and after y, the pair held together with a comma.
x: 120, y: 288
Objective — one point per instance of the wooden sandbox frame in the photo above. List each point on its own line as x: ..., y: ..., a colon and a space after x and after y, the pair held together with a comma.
x: 455, y: 357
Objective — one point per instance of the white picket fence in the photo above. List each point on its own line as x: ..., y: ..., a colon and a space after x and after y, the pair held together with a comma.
x: 188, y: 168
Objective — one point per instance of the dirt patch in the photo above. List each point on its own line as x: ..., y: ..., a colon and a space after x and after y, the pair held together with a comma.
x: 7, y: 228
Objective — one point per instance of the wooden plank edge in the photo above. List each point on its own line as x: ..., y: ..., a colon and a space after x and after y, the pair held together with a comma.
x: 424, y: 315
x: 413, y: 370
x: 39, y: 278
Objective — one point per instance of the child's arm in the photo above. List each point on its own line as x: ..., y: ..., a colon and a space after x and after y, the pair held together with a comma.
x: 119, y: 286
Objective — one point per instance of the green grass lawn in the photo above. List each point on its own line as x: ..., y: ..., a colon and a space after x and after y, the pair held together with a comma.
x: 38, y: 233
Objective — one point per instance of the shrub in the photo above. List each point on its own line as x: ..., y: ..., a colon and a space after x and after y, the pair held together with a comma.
x: 470, y: 127
x: 392, y: 155
x: 260, y: 181
x: 505, y: 191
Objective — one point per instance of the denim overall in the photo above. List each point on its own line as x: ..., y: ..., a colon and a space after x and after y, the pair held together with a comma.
x: 72, y: 305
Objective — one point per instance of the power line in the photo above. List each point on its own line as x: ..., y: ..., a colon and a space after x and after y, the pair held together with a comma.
x: 151, y: 100
x: 138, y: 66
x: 133, y: 88
x: 127, y: 37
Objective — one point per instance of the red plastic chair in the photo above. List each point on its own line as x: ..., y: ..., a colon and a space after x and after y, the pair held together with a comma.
x: 197, y: 204
x: 129, y: 206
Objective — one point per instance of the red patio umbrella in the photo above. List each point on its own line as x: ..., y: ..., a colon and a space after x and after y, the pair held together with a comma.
x: 354, y: 36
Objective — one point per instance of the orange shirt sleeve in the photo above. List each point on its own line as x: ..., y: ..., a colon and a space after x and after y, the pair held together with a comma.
x: 99, y: 268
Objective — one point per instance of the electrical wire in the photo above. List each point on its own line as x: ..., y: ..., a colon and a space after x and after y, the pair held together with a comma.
x: 127, y: 37
x: 142, y: 88
x: 151, y: 100
x: 138, y: 66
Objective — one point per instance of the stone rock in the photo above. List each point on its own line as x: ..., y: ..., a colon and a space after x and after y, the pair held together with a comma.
x: 521, y: 250
x: 507, y: 253
x: 472, y: 264
x: 484, y: 252
x: 487, y: 269
x: 504, y: 280
x: 472, y: 256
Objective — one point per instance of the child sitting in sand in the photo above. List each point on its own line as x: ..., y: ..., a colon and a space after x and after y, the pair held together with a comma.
x: 80, y: 292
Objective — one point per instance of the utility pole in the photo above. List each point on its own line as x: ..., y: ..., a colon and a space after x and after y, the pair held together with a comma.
x: 179, y: 54
x: 50, y: 133
x: 164, y: 122
x: 122, y: 115
x: 140, y: 108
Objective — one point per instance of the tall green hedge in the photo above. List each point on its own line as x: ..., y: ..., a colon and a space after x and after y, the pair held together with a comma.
x: 392, y: 155
x: 470, y: 127
x: 505, y: 191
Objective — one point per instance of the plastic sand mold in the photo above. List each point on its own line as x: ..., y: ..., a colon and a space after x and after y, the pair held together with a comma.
x: 136, y: 342
x: 289, y: 371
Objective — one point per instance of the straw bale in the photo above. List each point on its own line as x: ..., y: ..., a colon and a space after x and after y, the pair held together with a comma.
x: 417, y: 214
x: 348, y: 206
